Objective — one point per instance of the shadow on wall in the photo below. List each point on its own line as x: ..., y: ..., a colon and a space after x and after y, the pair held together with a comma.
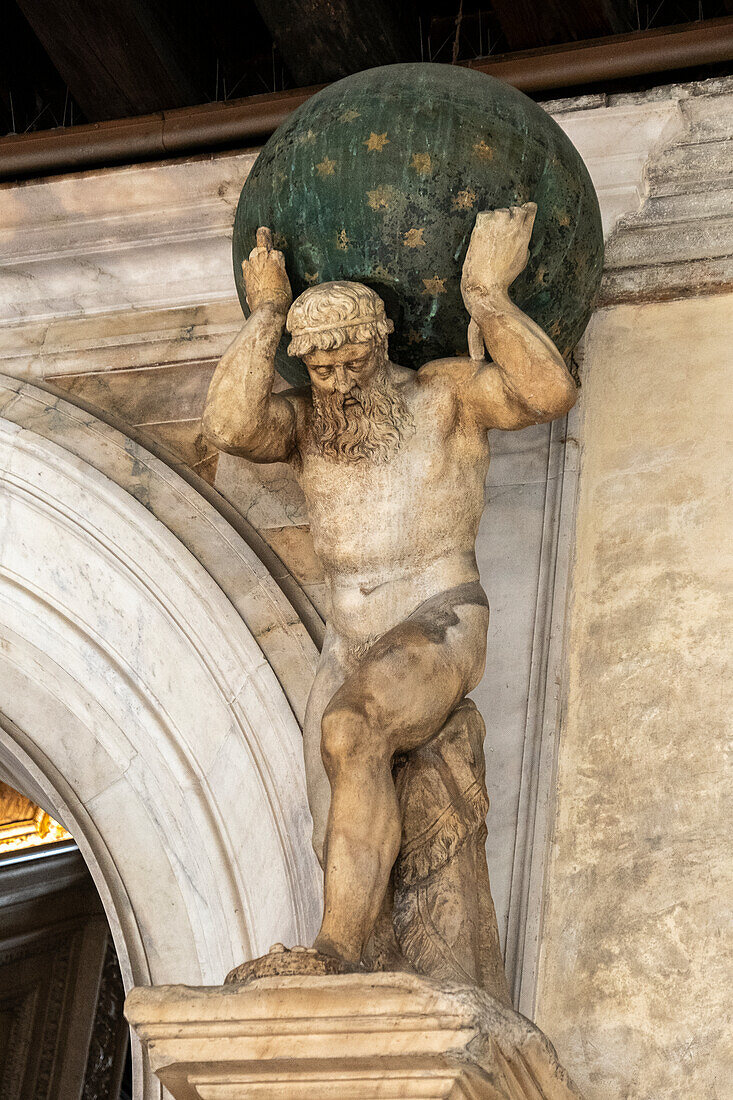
x: 62, y: 1029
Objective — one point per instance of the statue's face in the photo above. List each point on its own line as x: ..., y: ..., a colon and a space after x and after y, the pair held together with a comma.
x: 357, y: 412
x: 345, y: 371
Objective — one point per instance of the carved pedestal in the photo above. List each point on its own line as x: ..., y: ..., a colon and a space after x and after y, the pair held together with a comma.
x: 366, y: 1036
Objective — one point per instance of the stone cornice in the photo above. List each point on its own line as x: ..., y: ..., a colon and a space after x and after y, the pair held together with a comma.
x: 680, y: 242
x: 139, y: 257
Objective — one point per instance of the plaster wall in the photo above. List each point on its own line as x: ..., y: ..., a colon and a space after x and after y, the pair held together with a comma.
x: 635, y: 973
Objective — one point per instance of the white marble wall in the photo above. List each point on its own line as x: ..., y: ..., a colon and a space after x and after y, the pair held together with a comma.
x: 138, y: 698
x: 125, y: 269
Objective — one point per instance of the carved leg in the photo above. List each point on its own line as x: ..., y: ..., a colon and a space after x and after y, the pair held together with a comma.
x: 401, y: 694
x: 363, y: 834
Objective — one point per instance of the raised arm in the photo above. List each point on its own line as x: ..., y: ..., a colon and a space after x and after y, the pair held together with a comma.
x: 527, y: 381
x: 242, y: 414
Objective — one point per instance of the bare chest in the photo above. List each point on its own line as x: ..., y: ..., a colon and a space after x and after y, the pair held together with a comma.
x: 368, y: 517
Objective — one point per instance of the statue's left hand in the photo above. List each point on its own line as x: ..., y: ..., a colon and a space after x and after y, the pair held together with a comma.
x: 498, y: 251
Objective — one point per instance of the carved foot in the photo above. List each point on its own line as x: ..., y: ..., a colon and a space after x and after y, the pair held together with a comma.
x: 282, y: 962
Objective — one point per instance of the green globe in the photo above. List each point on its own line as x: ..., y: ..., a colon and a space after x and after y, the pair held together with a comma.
x: 378, y: 179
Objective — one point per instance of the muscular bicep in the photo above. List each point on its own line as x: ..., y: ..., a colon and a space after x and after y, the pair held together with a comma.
x: 475, y: 391
x: 494, y: 404
x: 267, y: 434
x: 525, y: 381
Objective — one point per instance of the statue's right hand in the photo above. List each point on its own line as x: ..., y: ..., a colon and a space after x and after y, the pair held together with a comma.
x: 265, y: 278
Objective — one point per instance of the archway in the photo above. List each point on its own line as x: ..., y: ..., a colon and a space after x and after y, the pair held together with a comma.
x: 140, y: 699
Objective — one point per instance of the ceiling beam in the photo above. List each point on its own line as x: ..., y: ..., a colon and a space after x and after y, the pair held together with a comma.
x: 324, y: 40
x: 245, y: 122
x: 616, y: 57
x: 118, y: 59
x: 527, y: 24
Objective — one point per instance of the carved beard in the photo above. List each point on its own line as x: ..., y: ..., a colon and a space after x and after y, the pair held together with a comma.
x: 372, y: 428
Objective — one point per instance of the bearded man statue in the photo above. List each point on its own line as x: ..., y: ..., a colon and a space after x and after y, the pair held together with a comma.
x: 392, y: 463
x: 361, y: 422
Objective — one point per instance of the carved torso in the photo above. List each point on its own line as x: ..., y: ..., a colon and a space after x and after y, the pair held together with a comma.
x: 390, y: 535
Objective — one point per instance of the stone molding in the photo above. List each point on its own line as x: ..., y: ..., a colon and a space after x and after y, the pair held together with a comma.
x: 616, y: 142
x: 137, y: 258
x: 346, y: 1037
x: 116, y: 641
x: 237, y: 559
x: 680, y: 242
x: 545, y: 694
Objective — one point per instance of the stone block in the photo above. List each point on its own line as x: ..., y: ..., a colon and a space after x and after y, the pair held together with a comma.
x: 381, y: 1036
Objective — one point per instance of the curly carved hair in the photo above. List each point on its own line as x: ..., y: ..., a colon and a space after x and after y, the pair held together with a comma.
x: 329, y: 315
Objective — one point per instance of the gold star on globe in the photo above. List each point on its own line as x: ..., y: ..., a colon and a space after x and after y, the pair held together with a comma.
x: 435, y: 285
x: 413, y: 337
x: 342, y: 241
x: 379, y: 199
x: 307, y: 137
x: 413, y: 238
x: 481, y: 149
x: 541, y: 275
x: 349, y: 116
x: 422, y: 163
x: 464, y: 200
x: 326, y: 167
x: 311, y: 279
x: 376, y: 142
x: 563, y: 218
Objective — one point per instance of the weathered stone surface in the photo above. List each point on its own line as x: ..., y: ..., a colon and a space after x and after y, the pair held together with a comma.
x: 444, y: 914
x: 140, y: 634
x: 281, y: 961
x: 392, y: 464
x: 351, y: 1037
x: 636, y: 974
x: 681, y: 240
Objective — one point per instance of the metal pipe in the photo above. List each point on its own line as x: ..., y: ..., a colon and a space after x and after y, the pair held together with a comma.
x: 164, y: 134
x: 250, y: 121
x: 614, y: 57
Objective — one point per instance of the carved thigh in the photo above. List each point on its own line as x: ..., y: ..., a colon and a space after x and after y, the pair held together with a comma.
x: 414, y: 676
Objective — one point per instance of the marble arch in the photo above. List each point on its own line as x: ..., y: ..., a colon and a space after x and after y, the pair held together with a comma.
x: 140, y: 695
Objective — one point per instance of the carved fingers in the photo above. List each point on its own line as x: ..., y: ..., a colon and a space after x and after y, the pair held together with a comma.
x: 503, y: 216
x: 498, y: 250
x: 265, y: 278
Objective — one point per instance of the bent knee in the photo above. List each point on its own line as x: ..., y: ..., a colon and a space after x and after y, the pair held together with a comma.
x: 345, y: 738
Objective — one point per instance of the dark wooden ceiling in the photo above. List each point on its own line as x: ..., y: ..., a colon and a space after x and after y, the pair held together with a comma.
x: 65, y: 62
